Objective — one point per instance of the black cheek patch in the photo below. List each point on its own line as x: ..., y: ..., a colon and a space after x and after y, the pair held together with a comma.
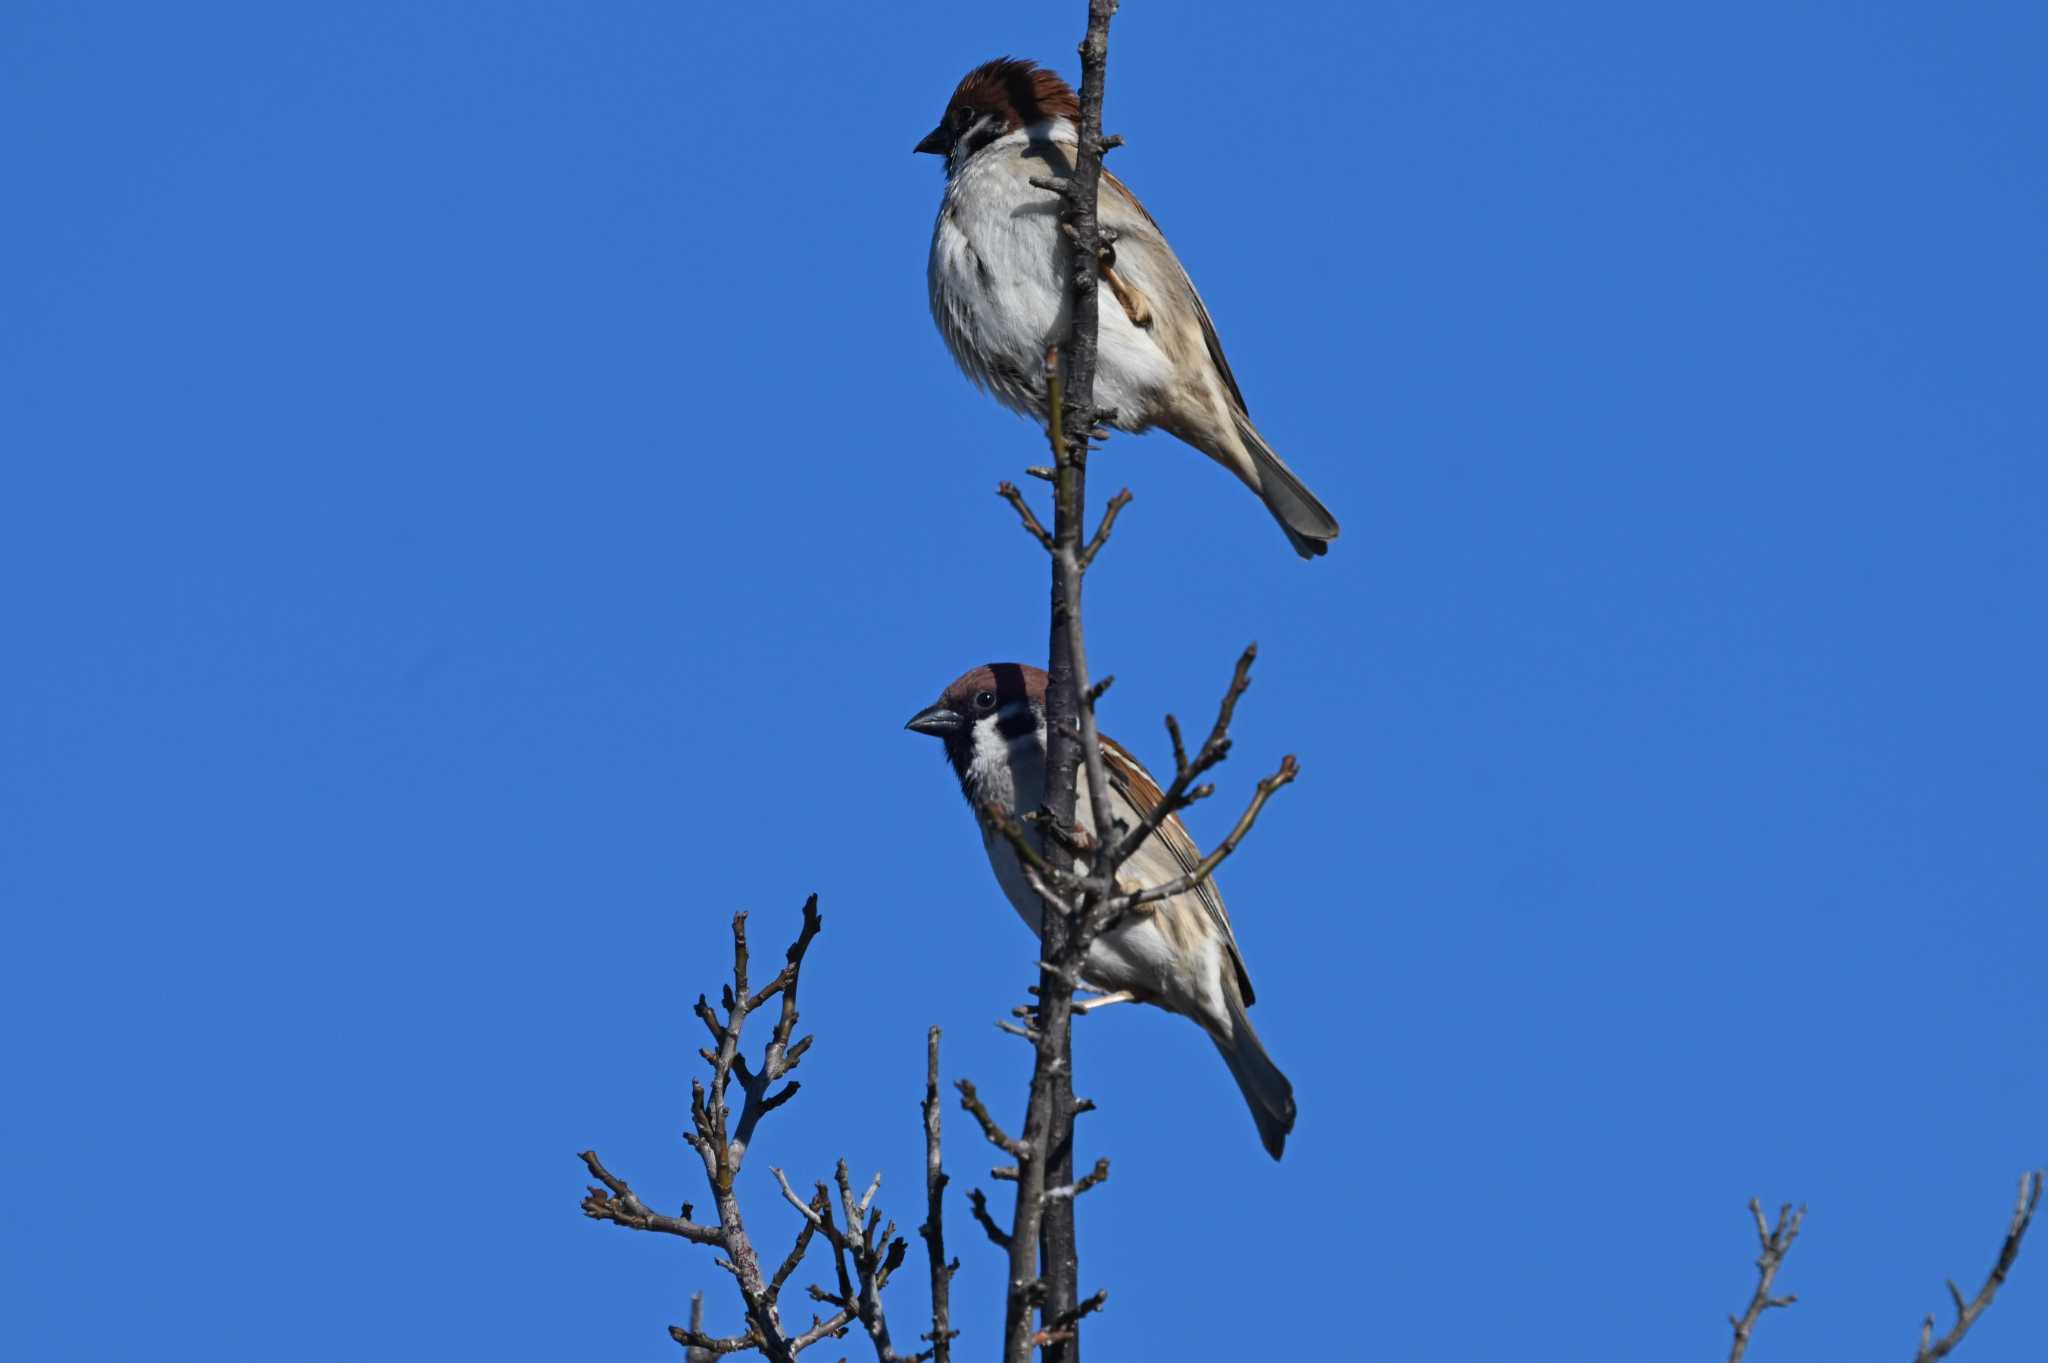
x: 1016, y: 721
x: 978, y: 137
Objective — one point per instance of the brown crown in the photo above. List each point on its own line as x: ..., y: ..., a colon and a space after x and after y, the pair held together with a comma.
x: 1024, y: 92
x: 1008, y: 680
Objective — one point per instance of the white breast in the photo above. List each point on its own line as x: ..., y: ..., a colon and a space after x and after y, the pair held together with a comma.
x: 997, y: 277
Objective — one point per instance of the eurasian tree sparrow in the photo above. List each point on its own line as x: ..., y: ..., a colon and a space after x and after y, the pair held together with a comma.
x: 1178, y: 954
x: 998, y: 276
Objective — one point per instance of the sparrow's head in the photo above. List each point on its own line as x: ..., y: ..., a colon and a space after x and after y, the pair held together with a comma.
x: 994, y: 100
x: 983, y: 715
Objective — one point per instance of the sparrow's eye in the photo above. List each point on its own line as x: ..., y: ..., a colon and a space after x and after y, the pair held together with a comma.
x: 984, y: 700
x: 962, y: 116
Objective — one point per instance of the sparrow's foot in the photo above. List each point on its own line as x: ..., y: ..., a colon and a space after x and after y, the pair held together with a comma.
x: 1077, y: 840
x: 1135, y: 305
x: 1086, y: 1006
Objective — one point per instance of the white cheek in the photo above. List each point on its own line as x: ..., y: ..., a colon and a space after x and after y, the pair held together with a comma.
x: 990, y: 765
x: 1008, y: 772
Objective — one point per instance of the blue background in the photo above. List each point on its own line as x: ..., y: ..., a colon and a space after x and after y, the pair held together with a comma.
x: 482, y: 494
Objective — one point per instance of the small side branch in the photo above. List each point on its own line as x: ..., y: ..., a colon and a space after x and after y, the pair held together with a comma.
x: 998, y: 818
x: 1098, y: 1174
x: 1067, y: 1320
x: 803, y: 1242
x: 1101, y: 536
x: 701, y: 1345
x: 1774, y: 1243
x: 1009, y: 493
x: 997, y: 1137
x: 1968, y: 1312
x: 616, y: 1203
x: 977, y: 1202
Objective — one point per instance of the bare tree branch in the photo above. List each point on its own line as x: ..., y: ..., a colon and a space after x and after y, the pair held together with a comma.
x: 1968, y: 1312
x: 701, y: 1345
x: 1775, y: 1244
x: 933, y: 1231
x: 870, y: 1245
x: 831, y: 1327
x: 720, y: 1143
x: 616, y: 1203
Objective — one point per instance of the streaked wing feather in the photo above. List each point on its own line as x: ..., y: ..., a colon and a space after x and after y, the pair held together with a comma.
x: 1201, y: 309
x: 1142, y: 793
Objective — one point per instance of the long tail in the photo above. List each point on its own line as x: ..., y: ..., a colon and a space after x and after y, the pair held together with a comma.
x: 1266, y: 1091
x: 1308, y: 523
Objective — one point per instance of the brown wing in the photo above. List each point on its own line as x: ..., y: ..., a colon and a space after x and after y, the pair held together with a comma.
x: 1137, y: 787
x: 1201, y: 309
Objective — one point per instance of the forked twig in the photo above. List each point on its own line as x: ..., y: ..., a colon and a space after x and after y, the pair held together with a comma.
x: 1968, y: 1312
x: 1775, y: 1244
x: 1206, y: 867
x: 1182, y: 790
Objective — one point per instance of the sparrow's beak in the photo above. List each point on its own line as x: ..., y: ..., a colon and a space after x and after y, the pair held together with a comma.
x: 937, y: 721
x: 934, y: 142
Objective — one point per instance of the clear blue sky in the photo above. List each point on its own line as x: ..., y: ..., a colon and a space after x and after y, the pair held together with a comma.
x: 482, y: 493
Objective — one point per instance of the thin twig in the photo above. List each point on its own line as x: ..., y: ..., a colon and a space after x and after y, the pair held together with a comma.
x: 871, y: 1245
x: 1082, y: 1184
x: 999, y: 1138
x: 1101, y: 536
x: 701, y: 1345
x: 1009, y: 493
x: 616, y: 1203
x: 1968, y: 1312
x: 832, y: 1326
x: 1068, y: 1318
x: 1206, y: 867
x: 977, y: 1202
x: 1026, y: 848
x: 795, y: 1255
x: 1774, y: 1244
x: 1182, y: 790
